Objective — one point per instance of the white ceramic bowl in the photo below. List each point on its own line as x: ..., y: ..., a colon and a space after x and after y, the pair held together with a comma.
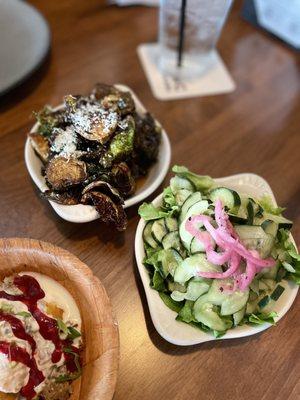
x: 163, y: 318
x: 84, y: 213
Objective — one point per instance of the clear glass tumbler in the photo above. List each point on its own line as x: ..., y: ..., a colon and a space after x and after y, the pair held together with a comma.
x: 204, y: 20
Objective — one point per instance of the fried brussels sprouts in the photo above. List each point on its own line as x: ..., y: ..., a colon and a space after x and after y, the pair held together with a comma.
x: 48, y: 119
x: 101, y: 90
x: 147, y: 140
x: 94, y: 149
x: 90, y: 119
x: 105, y: 188
x: 68, y: 197
x: 123, y: 179
x: 40, y: 145
x: 109, y: 211
x: 121, y: 145
x: 62, y: 173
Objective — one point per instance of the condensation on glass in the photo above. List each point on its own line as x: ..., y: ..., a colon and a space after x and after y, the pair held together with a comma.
x: 204, y: 20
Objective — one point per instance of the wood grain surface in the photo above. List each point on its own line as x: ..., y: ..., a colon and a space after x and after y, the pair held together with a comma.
x: 100, y: 333
x: 254, y: 129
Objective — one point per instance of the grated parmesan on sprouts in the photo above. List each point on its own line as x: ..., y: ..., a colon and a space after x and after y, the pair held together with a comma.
x: 89, y: 116
x: 65, y: 141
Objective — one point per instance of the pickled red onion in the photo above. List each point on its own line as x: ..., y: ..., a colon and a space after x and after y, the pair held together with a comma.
x: 233, y: 250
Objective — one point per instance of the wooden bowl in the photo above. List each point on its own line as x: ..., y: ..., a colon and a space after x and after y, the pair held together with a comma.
x: 100, y: 331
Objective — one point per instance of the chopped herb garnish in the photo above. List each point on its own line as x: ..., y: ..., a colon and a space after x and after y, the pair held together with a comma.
x: 62, y: 326
x: 73, y: 333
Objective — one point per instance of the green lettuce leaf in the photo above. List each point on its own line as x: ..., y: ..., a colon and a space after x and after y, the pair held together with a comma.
x: 157, y: 282
x: 186, y: 313
x: 169, y: 302
x: 261, y: 318
x: 267, y: 204
x: 149, y: 212
x: 201, y: 182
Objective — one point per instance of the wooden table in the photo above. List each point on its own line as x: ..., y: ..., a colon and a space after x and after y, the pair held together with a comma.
x: 255, y: 129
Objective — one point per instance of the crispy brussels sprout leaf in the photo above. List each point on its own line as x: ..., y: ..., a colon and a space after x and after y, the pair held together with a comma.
x: 101, y: 90
x: 68, y: 197
x: 105, y: 188
x: 48, y: 119
x: 121, y: 102
x: 62, y: 173
x: 90, y: 119
x: 40, y: 145
x: 109, y: 211
x: 123, y: 179
x: 122, y: 144
x: 147, y: 140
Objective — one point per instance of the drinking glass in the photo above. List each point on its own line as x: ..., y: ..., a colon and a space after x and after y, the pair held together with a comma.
x: 203, y: 22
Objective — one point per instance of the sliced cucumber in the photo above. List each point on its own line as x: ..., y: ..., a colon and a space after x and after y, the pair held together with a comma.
x: 198, y: 208
x: 172, y: 240
x: 171, y: 224
x: 177, y: 296
x: 189, y: 202
x: 280, y: 220
x: 234, y: 302
x: 177, y: 183
x: 181, y: 196
x: 270, y: 227
x: 147, y: 235
x: 254, y: 210
x: 238, y: 316
x: 159, y: 230
x: 255, y: 238
x: 219, y: 295
x: 228, y: 197
x: 197, y: 246
x: 192, y: 265
x: 236, y: 219
x: 269, y: 273
x: 170, y: 260
x: 196, y: 289
x: 204, y: 312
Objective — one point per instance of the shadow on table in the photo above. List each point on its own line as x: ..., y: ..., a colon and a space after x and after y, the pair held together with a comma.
x: 24, y: 88
x: 173, y: 349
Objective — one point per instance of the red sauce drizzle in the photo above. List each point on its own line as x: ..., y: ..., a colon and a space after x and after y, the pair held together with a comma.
x: 31, y: 293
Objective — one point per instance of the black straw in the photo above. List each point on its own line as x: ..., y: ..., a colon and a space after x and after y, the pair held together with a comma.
x: 181, y: 32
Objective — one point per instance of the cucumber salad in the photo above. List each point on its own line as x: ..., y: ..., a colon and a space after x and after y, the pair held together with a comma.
x: 218, y: 258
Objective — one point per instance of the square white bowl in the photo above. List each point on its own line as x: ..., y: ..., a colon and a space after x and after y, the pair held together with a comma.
x: 84, y: 213
x: 163, y: 318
